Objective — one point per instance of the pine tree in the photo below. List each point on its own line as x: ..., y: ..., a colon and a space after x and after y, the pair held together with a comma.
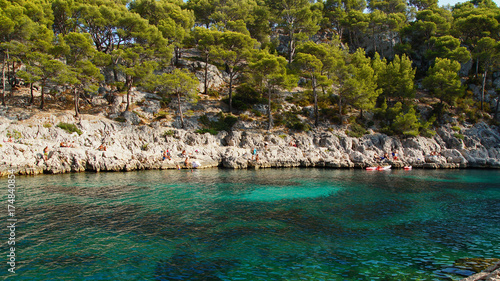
x: 269, y: 72
x: 179, y: 82
x: 233, y: 49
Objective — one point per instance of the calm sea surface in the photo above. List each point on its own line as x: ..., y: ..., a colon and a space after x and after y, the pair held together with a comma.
x: 282, y: 224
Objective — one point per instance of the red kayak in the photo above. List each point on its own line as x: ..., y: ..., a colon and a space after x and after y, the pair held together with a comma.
x: 383, y: 168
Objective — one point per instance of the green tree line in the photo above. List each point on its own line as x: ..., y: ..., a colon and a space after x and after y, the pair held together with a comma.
x: 347, y: 55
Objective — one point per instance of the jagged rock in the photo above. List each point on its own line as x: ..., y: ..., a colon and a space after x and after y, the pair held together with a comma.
x: 131, y: 117
x: 132, y: 147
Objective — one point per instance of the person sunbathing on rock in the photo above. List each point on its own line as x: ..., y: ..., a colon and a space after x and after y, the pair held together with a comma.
x: 46, y: 153
x: 65, y: 144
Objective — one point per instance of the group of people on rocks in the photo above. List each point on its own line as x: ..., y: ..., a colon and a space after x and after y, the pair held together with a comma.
x: 394, y: 155
x: 167, y: 155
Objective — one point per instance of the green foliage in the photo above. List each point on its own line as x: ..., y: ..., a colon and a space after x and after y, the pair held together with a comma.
x: 245, y: 97
x: 256, y: 112
x: 298, y: 19
x: 291, y: 121
x: 168, y: 133
x: 70, y: 44
x: 407, y: 124
x: 70, y: 128
x: 161, y: 114
x: 224, y: 123
x: 14, y: 134
x: 213, y: 93
x: 360, y: 87
x: 165, y: 101
x: 396, y: 79
x: 459, y: 136
x: 233, y: 49
x: 356, y: 131
x: 301, y: 99
x: 443, y: 80
x: 456, y: 128
x: 211, y: 131
x: 47, y: 125
x: 448, y: 47
x: 245, y: 117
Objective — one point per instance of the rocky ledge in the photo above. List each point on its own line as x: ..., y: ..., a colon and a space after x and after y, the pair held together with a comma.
x: 135, y: 147
x: 492, y: 273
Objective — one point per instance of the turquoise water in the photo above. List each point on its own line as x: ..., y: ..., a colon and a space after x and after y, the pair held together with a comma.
x: 283, y: 224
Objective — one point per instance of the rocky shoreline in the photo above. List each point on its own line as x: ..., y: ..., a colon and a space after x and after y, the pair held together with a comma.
x: 138, y: 147
x: 491, y: 273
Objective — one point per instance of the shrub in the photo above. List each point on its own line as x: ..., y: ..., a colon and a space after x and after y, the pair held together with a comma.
x: 245, y: 96
x: 407, y: 124
x: 161, y: 114
x: 257, y: 113
x: 47, y: 125
x: 291, y: 121
x: 225, y: 123
x: 456, y: 128
x: 245, y: 117
x: 301, y: 99
x: 70, y: 128
x: 213, y: 93
x: 204, y: 120
x: 207, y: 130
x: 168, y: 133
x: 14, y: 134
x: 299, y: 126
x: 356, y: 131
x: 165, y: 101
x: 459, y: 136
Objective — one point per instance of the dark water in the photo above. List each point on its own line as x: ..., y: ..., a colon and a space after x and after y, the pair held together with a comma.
x: 291, y: 224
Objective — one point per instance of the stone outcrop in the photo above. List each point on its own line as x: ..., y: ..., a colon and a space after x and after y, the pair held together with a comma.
x: 492, y: 273
x: 135, y: 147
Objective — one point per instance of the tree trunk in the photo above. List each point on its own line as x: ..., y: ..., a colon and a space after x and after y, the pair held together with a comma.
x: 391, y: 37
x: 42, y: 102
x: 270, y: 126
x: 351, y: 42
x: 496, y: 109
x: 32, y: 100
x: 290, y: 47
x: 373, y: 40
x: 340, y: 111
x: 316, y: 113
x: 180, y: 109
x: 128, y: 85
x: 115, y: 73
x: 3, y: 78
x: 77, y: 111
x: 477, y: 67
x: 482, y: 90
x: 231, y: 92
x: 205, y: 82
x: 10, y: 74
